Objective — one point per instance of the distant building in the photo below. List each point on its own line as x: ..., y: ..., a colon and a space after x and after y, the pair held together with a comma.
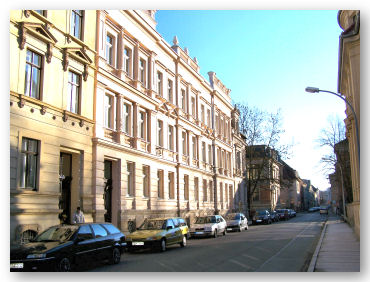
x: 263, y: 177
x: 290, y: 188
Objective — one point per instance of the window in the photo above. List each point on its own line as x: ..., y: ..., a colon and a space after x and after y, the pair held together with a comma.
x: 204, y: 151
x: 208, y: 118
x: 171, y: 138
x: 142, y: 125
x: 33, y: 75
x: 109, y: 48
x: 184, y: 143
x: 221, y: 193
x: 109, y: 111
x: 126, y: 122
x: 186, y: 187
x: 237, y: 160
x: 127, y: 60
x: 142, y: 70
x: 170, y: 91
x: 41, y: 12
x: 76, y: 23
x: 192, y: 102
x: 204, y: 190
x: 160, y: 84
x: 196, y: 188
x: 202, y: 118
x: 85, y: 232
x: 130, y: 179
x: 171, y: 185
x: 210, y: 154
x: 111, y: 228
x: 99, y: 231
x: 194, y: 143
x: 160, y: 174
x: 73, y: 103
x: 183, y: 100
x: 146, y: 181
x: 29, y: 158
x: 211, y: 194
x: 160, y: 133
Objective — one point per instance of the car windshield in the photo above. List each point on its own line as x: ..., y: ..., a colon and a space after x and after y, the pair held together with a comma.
x: 205, y: 219
x: 153, y: 224
x: 232, y: 216
x: 57, y: 233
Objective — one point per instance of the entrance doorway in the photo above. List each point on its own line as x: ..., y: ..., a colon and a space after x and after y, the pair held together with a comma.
x: 108, y: 190
x: 65, y: 175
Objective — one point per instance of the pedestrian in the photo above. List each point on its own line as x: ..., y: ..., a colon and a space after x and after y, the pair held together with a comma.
x: 78, y: 216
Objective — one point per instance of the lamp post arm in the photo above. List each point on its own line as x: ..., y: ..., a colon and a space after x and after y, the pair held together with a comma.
x: 354, y: 115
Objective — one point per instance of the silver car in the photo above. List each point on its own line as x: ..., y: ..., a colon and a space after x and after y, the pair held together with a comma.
x: 210, y: 225
x: 236, y: 222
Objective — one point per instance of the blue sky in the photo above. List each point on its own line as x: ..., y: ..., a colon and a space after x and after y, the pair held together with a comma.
x: 267, y: 58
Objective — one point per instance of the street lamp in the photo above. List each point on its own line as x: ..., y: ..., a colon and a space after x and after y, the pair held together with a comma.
x: 317, y: 90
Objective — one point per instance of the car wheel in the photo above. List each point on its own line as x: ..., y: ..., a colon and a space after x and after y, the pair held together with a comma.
x: 224, y: 233
x: 183, y: 242
x: 246, y: 227
x: 116, y: 256
x: 240, y: 228
x: 163, y: 245
x: 215, y: 233
x: 64, y: 265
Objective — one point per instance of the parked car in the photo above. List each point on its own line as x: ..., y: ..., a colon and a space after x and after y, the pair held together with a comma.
x: 262, y: 216
x: 324, y: 210
x: 292, y: 213
x: 183, y: 226
x: 210, y: 225
x: 156, y: 234
x: 314, y: 209
x: 274, y: 216
x: 236, y: 222
x: 63, y: 247
x: 283, y: 214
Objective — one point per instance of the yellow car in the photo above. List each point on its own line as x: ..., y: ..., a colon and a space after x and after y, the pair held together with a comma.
x: 157, y: 234
x: 183, y: 226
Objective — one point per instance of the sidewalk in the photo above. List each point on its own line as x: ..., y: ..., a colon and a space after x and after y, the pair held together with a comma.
x: 338, y: 249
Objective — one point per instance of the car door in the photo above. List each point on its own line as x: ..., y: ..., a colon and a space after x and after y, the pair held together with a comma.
x: 170, y: 232
x: 85, y: 245
x: 103, y: 241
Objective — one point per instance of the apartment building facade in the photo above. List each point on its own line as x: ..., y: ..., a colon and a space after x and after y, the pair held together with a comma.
x: 52, y: 67
x: 349, y: 87
x: 164, y: 142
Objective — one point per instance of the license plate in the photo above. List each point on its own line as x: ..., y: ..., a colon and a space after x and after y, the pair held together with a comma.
x: 16, y: 265
x: 229, y: 229
x: 198, y: 233
x: 258, y: 220
x: 138, y: 243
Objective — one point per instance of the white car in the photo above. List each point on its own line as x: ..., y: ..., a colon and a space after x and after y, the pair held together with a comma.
x: 236, y: 222
x: 210, y: 225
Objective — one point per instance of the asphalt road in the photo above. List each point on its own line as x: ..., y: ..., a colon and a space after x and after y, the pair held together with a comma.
x: 283, y: 246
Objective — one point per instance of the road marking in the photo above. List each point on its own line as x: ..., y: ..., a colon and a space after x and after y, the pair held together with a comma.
x: 286, y: 246
x: 247, y: 256
x: 239, y: 263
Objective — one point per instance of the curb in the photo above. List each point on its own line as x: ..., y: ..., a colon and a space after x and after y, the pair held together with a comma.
x: 311, y: 267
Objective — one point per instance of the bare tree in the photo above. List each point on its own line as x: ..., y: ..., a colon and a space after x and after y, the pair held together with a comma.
x: 329, y: 136
x: 265, y: 129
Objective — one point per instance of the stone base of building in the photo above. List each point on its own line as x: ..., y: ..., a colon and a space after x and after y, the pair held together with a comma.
x: 353, y: 217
